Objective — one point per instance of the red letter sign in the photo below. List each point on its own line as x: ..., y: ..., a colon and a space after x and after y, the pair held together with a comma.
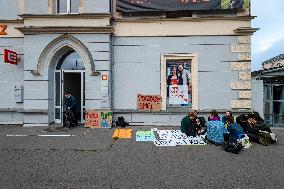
x: 10, y: 57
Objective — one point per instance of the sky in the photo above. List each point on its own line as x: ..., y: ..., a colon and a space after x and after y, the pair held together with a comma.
x: 268, y: 41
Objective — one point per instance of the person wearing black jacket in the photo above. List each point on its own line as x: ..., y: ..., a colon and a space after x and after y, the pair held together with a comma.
x: 71, y: 104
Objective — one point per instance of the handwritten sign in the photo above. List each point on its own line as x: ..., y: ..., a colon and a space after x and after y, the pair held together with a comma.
x: 98, y: 119
x: 177, y: 138
x: 145, y: 136
x: 149, y: 102
x: 3, y: 29
x: 122, y: 133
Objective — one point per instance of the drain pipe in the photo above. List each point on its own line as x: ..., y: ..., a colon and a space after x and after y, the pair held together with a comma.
x: 112, y: 9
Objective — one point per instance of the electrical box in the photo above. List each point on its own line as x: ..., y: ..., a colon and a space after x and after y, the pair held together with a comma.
x: 18, y: 93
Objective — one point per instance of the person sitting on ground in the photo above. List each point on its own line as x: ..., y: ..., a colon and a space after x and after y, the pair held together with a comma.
x: 257, y: 117
x: 200, y: 123
x: 228, y: 119
x: 258, y: 131
x: 236, y: 130
x: 242, y: 120
x: 216, y: 130
x: 188, y: 125
x: 201, y: 119
x: 214, y: 116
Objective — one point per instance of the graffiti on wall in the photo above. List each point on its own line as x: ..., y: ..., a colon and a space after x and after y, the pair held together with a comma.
x: 149, y: 102
x: 98, y: 119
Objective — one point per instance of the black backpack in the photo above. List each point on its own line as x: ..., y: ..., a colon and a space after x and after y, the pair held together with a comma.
x: 121, y: 123
x: 233, y: 145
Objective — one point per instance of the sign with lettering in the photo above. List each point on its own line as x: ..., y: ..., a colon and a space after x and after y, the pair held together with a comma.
x: 98, y: 119
x: 177, y: 138
x: 145, y: 136
x: 149, y: 102
x: 122, y: 133
x: 174, y: 5
x: 3, y: 29
x: 11, y: 57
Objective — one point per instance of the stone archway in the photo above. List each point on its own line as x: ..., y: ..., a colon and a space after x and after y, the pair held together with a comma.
x: 57, y: 46
x: 40, y: 109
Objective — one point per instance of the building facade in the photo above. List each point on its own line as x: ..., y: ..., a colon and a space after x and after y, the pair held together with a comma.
x: 272, y: 76
x: 192, y: 55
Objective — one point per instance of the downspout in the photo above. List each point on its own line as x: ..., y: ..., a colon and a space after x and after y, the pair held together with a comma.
x: 112, y: 9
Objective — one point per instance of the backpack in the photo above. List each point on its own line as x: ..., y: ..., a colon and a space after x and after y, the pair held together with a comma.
x: 266, y: 138
x: 69, y: 120
x: 121, y: 123
x: 233, y: 145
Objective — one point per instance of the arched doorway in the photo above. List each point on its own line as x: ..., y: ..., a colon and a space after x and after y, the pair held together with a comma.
x: 69, y: 76
x: 64, y: 58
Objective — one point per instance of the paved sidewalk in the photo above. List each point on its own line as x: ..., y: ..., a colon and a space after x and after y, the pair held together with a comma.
x: 90, y: 158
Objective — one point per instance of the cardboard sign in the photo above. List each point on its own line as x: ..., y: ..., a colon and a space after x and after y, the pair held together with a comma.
x: 149, y: 102
x: 3, y: 29
x: 11, y: 57
x: 145, y: 136
x: 122, y: 133
x: 98, y: 119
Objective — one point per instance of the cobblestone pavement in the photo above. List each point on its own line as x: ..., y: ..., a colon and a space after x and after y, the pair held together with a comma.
x: 90, y: 158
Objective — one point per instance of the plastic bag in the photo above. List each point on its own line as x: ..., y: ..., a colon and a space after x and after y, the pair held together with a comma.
x: 245, y: 142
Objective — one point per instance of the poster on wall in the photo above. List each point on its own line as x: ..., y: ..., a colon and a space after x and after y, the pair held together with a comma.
x: 149, y: 102
x: 98, y: 119
x: 175, y: 5
x: 179, y: 83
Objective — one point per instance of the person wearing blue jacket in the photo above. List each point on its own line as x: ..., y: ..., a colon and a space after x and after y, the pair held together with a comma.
x: 215, y: 132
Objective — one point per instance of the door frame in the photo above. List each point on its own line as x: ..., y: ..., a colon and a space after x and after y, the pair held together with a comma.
x: 61, y: 101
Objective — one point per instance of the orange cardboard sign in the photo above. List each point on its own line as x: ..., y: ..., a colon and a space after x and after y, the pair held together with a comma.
x: 2, y: 29
x: 98, y: 119
x: 122, y: 133
x: 149, y: 102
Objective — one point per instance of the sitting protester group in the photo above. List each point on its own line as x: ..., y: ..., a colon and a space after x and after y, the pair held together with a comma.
x: 228, y: 132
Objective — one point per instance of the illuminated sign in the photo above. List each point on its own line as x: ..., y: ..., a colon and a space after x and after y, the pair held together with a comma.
x: 104, y: 77
x: 2, y: 29
x: 11, y: 57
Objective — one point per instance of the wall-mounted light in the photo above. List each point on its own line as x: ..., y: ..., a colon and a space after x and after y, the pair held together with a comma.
x: 95, y: 73
x: 35, y: 72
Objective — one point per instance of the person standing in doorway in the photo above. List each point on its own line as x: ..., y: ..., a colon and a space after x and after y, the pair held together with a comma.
x: 70, y: 103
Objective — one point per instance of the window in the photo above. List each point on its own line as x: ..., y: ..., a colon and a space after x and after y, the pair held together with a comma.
x: 68, y: 6
x: 179, y: 81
